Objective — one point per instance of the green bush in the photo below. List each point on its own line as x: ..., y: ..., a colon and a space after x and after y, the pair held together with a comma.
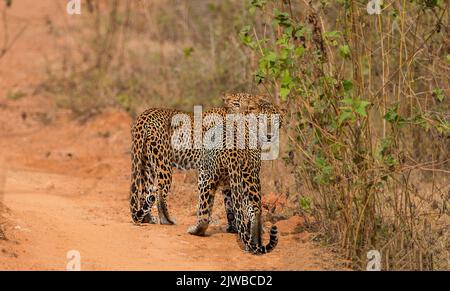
x: 357, y: 89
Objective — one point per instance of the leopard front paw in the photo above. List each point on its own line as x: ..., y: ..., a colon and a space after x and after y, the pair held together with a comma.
x: 150, y: 219
x: 198, y: 229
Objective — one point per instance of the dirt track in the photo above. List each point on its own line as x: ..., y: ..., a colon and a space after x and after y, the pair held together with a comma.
x: 64, y: 185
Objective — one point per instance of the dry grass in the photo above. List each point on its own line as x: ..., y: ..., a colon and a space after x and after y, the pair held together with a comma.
x: 136, y: 54
x: 368, y: 137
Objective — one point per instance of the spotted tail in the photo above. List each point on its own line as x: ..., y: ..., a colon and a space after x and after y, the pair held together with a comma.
x: 140, y: 199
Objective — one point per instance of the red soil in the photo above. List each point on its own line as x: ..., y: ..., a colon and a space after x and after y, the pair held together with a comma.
x: 64, y: 185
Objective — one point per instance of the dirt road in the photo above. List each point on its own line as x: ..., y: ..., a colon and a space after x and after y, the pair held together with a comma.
x: 64, y: 184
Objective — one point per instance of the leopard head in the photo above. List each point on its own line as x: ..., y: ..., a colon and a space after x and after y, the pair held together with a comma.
x: 245, y: 103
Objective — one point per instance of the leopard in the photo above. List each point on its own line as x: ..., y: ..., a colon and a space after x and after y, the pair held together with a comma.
x: 237, y: 169
x: 154, y: 157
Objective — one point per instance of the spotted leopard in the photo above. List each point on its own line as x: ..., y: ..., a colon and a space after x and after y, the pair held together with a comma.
x: 238, y: 169
x: 153, y: 158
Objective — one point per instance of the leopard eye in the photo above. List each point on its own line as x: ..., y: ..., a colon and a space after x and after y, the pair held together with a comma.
x: 236, y: 104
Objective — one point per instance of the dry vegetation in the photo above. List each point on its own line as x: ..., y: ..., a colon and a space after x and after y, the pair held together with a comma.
x: 367, y: 136
x: 137, y: 54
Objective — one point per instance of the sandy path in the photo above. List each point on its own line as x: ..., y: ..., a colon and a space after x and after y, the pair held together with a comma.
x: 64, y: 185
x: 56, y: 203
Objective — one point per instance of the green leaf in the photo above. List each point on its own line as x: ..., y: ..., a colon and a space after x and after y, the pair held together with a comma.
x: 320, y: 162
x: 284, y: 92
x: 385, y: 144
x: 344, y: 51
x: 390, y: 161
x: 347, y: 85
x: 439, y: 94
x: 360, y: 107
x: 299, y: 51
x: 332, y: 35
x: 347, y: 101
x: 259, y: 77
x: 300, y: 32
x: 245, y: 37
x: 258, y: 3
x: 288, y: 31
x: 392, y: 116
x: 305, y: 204
x: 287, y: 79
x: 345, y: 115
x: 284, y: 40
x: 282, y: 18
x: 324, y: 171
x: 394, y: 13
x: 271, y: 57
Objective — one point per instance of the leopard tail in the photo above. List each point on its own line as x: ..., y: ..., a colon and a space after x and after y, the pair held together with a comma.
x: 137, y: 181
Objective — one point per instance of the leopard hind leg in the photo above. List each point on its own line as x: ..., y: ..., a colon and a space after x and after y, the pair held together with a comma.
x: 164, y: 183
x: 141, y: 196
x: 148, y: 197
x: 161, y: 165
